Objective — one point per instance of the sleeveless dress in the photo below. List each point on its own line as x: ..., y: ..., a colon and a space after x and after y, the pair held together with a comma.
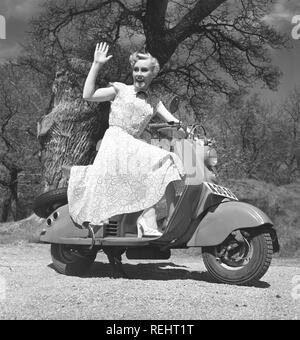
x: 128, y: 174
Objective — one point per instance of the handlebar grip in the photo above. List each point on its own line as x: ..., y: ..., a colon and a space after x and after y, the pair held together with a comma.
x: 158, y: 125
x: 162, y: 125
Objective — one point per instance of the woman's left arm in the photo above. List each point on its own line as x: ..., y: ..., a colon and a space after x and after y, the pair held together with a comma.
x: 165, y: 114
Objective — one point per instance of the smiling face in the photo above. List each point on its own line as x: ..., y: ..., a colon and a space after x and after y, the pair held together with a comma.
x: 142, y: 74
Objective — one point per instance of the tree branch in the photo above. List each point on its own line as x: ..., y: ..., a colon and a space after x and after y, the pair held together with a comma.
x: 4, y: 184
x: 156, y: 14
x: 189, y: 22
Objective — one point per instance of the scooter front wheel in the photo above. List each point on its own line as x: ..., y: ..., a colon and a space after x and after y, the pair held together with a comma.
x: 241, y: 262
x: 71, y: 260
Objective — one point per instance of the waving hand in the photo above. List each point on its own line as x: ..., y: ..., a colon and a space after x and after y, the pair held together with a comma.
x: 100, y: 55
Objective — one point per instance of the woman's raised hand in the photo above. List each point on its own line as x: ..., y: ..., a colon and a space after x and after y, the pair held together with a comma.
x: 100, y: 55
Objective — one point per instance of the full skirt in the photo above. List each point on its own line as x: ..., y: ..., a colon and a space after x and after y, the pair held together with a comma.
x: 127, y: 175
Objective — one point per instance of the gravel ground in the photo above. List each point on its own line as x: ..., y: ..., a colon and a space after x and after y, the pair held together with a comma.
x: 179, y: 288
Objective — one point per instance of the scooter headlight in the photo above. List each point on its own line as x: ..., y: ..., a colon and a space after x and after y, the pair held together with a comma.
x: 211, y: 158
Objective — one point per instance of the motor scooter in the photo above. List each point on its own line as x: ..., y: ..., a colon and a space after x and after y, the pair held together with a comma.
x: 237, y: 239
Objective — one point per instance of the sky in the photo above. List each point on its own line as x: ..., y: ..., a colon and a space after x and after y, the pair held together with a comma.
x: 282, y: 17
x: 18, y: 12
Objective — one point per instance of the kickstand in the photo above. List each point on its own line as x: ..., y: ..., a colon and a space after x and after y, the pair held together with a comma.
x: 115, y: 260
x: 120, y: 268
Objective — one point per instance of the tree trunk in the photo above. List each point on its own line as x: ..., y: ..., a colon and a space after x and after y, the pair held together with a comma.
x: 9, y: 205
x: 162, y: 42
x: 69, y: 133
x: 5, y: 209
x: 14, y: 194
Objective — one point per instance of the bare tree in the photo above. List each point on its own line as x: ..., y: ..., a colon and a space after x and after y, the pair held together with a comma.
x: 204, y: 46
x: 291, y: 113
x: 19, y: 149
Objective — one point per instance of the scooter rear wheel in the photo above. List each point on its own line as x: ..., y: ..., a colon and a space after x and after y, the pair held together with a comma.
x: 240, y: 263
x: 71, y: 260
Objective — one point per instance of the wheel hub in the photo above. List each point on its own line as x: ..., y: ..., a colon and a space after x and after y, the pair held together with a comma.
x: 70, y: 253
x: 234, y: 253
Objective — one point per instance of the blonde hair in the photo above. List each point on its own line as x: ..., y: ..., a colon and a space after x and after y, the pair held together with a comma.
x: 134, y: 57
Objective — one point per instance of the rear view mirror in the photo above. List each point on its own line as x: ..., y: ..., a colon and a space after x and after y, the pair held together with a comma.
x: 174, y: 104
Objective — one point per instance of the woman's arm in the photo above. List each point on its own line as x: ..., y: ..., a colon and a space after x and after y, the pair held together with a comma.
x: 165, y: 114
x: 89, y: 92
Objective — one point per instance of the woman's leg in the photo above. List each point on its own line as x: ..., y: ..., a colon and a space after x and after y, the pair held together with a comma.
x: 149, y: 216
x: 147, y: 225
x: 150, y: 213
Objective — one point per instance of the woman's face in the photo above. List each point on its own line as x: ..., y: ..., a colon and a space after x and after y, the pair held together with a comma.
x: 142, y: 74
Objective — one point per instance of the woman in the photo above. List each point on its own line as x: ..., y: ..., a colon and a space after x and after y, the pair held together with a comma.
x: 128, y: 174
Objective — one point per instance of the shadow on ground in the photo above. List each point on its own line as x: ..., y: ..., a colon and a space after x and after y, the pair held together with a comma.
x: 163, y: 271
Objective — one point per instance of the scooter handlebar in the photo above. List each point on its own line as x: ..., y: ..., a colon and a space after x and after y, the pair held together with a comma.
x: 164, y: 125
x: 189, y: 129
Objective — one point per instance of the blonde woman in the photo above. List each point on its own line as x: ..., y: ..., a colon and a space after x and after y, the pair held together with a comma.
x: 128, y: 174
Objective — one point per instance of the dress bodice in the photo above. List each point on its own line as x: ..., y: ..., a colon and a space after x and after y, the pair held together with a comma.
x: 129, y: 111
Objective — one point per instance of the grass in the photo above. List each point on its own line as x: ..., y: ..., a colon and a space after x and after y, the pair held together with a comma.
x: 23, y: 230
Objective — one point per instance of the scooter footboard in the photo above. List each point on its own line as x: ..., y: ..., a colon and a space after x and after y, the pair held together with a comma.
x: 220, y: 221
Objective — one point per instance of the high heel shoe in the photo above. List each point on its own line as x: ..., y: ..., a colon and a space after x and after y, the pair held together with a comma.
x: 144, y: 230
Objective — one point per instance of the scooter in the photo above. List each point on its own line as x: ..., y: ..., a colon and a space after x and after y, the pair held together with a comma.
x: 237, y: 239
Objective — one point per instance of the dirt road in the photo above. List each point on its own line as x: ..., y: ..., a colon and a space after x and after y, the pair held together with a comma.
x: 179, y: 288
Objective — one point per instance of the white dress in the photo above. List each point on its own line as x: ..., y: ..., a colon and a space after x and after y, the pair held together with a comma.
x: 128, y: 174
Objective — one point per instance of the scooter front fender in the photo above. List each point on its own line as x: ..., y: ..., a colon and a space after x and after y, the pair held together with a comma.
x: 223, y: 219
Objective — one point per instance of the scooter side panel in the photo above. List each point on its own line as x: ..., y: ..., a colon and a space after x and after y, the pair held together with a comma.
x: 62, y: 228
x: 182, y: 216
x: 221, y: 220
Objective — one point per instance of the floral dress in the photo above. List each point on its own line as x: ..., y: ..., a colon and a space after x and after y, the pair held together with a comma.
x: 128, y: 174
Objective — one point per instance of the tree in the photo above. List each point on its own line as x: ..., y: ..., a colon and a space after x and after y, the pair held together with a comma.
x: 21, y: 103
x: 257, y: 140
x: 291, y: 128
x: 242, y: 129
x: 205, y: 47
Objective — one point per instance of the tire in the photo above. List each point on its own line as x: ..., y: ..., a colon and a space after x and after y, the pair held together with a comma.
x: 257, y: 250
x: 71, y: 260
x: 47, y: 202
